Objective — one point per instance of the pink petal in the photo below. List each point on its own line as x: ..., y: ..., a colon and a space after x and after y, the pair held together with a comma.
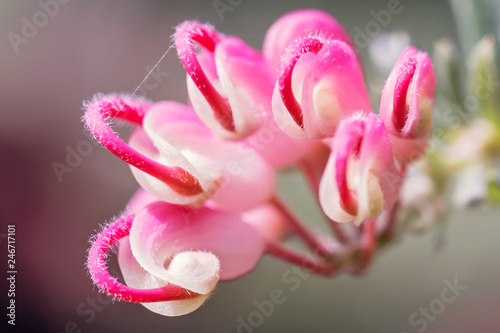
x: 246, y: 81
x: 297, y: 23
x: 408, y: 150
x: 183, y: 245
x: 139, y: 200
x: 268, y: 220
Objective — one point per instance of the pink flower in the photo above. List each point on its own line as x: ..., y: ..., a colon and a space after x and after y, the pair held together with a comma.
x: 171, y: 245
x: 407, y: 104
x: 360, y: 179
x: 157, y: 291
x: 320, y: 83
x: 208, y: 207
x: 197, y: 165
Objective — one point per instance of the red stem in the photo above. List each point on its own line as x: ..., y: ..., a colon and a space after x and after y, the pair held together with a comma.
x: 301, y: 230
x: 321, y: 268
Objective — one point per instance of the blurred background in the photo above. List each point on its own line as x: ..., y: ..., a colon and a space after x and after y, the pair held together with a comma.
x: 80, y: 48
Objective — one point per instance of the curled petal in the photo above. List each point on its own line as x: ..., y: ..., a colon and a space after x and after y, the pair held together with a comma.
x: 228, y: 81
x: 319, y: 84
x: 185, y: 246
x: 173, y: 135
x: 186, y: 35
x: 360, y: 179
x: 288, y: 61
x: 295, y: 24
x: 408, y: 98
x: 102, y: 107
x: 97, y: 267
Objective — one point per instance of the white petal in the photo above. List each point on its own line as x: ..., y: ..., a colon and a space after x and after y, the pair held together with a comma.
x: 136, y: 277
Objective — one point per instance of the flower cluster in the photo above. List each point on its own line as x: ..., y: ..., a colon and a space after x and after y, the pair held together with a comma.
x: 208, y: 207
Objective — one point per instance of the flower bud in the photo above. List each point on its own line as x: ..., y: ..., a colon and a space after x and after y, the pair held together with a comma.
x: 407, y: 104
x: 360, y: 178
x: 320, y: 83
